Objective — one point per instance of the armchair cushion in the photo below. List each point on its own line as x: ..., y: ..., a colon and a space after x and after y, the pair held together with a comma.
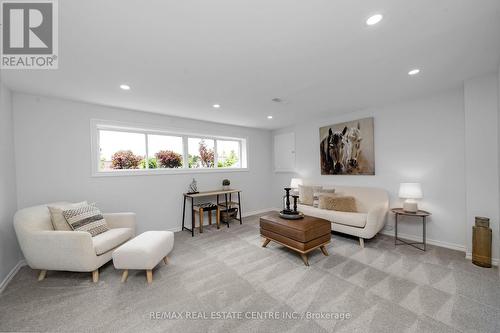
x: 86, y: 218
x: 56, y: 214
x: 111, y: 239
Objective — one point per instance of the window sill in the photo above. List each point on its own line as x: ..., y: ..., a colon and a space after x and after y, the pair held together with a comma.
x: 158, y: 172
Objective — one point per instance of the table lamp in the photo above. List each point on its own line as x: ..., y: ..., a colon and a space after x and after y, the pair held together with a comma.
x: 410, y: 192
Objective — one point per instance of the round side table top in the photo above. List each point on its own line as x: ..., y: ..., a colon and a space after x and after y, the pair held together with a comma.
x: 400, y: 211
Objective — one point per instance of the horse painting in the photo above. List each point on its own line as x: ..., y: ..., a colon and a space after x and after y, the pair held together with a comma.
x: 347, y: 148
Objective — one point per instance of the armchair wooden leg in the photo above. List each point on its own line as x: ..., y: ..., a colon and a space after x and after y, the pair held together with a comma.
x: 125, y: 275
x: 165, y: 260
x: 149, y: 275
x: 42, y: 274
x: 95, y: 276
x: 362, y: 242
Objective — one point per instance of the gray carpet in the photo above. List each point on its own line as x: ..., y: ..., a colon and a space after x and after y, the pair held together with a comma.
x: 383, y: 288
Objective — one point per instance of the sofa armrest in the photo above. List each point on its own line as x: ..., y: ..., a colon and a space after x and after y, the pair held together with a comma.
x: 376, y: 219
x: 58, y: 250
x: 120, y: 220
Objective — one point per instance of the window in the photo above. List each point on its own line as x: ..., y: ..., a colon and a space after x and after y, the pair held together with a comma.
x: 165, y: 151
x: 130, y: 150
x: 228, y: 154
x: 121, y: 150
x: 201, y: 153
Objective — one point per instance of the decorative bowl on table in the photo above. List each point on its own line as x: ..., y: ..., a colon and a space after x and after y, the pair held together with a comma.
x: 288, y: 216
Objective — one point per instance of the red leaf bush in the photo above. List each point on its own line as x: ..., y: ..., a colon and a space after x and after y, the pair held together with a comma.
x: 168, y: 159
x: 125, y: 159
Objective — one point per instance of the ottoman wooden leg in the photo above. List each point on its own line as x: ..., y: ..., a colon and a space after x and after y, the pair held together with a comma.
x: 125, y: 275
x: 42, y: 274
x: 165, y: 260
x: 323, y: 249
x: 149, y: 275
x: 95, y: 276
x: 266, y: 242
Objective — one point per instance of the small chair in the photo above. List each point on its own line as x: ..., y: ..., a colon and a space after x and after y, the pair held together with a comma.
x: 207, y: 207
x: 76, y: 251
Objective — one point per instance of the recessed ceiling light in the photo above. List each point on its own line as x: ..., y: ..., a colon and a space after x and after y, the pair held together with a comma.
x: 216, y: 106
x: 124, y: 86
x: 374, y: 19
x: 269, y: 117
x: 414, y: 71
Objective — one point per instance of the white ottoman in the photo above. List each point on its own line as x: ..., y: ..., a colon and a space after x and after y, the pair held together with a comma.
x: 144, y: 252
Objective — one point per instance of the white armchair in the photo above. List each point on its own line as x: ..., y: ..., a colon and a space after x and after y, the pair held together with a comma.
x: 46, y: 249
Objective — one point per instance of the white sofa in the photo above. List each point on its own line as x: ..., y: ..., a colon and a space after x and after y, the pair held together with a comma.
x: 77, y: 251
x: 372, y: 205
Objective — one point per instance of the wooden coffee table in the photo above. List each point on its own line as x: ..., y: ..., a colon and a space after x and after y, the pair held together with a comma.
x: 302, y: 236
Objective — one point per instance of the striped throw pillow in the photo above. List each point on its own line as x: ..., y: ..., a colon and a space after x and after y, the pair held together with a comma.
x: 86, y: 218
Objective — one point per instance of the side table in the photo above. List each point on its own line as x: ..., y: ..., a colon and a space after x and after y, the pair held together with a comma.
x: 421, y: 213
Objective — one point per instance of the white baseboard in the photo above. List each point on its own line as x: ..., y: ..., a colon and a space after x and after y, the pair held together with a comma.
x: 11, y: 274
x: 435, y: 242
x: 259, y: 211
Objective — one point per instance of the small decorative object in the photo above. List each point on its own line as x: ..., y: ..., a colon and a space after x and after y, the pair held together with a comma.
x: 481, y: 242
x: 410, y: 192
x: 193, y: 187
x: 294, y: 185
x: 287, y: 213
x: 347, y: 148
x: 225, y: 184
x: 228, y: 214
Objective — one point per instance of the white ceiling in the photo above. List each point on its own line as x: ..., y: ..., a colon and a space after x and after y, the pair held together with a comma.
x: 180, y: 57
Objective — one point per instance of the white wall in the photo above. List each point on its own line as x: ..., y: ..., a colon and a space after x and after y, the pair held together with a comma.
x: 481, y: 144
x: 420, y: 141
x: 53, y: 162
x: 9, y: 249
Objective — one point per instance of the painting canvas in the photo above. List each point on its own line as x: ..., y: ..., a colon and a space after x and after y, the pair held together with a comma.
x: 347, y: 148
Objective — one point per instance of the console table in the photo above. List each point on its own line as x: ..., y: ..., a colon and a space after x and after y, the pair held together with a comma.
x: 226, y: 203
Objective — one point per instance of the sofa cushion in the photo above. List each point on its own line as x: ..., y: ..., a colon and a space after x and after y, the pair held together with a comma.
x: 357, y: 220
x: 338, y: 203
x: 56, y: 214
x: 111, y: 239
x: 86, y: 218
x: 316, y: 195
x: 306, y: 194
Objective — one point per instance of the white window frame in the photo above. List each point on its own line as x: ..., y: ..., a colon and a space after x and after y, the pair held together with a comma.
x: 97, y: 125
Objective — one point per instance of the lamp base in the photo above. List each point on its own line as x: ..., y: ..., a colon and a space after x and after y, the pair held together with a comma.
x: 410, y: 207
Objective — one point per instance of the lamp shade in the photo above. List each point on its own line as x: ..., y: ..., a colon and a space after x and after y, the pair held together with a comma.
x: 295, y: 182
x: 410, y: 191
